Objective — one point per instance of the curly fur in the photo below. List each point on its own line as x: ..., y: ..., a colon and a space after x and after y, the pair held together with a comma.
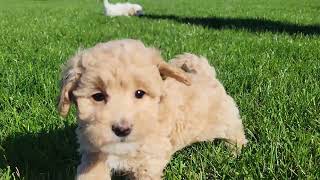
x: 184, y: 103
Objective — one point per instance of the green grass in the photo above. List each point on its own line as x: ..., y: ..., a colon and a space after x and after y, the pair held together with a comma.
x: 266, y: 53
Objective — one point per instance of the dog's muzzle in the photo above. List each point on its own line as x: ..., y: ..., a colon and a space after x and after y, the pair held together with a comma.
x: 121, y: 129
x: 139, y: 13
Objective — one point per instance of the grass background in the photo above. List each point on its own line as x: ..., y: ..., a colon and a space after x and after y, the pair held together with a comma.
x: 266, y: 54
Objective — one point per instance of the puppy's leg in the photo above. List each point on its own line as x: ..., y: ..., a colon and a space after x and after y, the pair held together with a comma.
x: 155, y: 155
x: 152, y: 170
x: 233, y: 133
x: 93, y: 166
x: 233, y: 126
x: 225, y: 124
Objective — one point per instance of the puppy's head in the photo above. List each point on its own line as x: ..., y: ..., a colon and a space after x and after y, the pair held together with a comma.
x: 136, y: 10
x: 116, y: 87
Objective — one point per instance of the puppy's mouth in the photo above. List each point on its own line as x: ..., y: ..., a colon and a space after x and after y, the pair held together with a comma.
x: 120, y: 148
x: 123, y: 139
x: 126, y: 139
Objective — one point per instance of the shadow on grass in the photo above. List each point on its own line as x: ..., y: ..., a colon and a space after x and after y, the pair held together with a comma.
x: 46, y: 155
x: 53, y: 155
x: 249, y: 24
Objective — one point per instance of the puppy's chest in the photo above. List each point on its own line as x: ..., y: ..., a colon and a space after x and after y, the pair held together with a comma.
x: 122, y: 168
x: 122, y: 159
x: 118, y: 163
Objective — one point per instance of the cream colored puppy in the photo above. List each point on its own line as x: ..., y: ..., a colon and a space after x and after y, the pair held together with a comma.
x: 135, y: 110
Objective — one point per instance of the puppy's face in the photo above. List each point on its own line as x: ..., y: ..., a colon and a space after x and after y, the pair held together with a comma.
x: 118, y: 103
x: 116, y: 87
x: 136, y: 10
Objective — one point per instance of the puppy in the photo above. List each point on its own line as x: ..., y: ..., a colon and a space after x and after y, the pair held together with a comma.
x: 134, y: 110
x: 122, y: 9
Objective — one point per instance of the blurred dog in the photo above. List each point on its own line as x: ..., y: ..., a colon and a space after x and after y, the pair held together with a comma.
x: 135, y: 111
x: 122, y: 9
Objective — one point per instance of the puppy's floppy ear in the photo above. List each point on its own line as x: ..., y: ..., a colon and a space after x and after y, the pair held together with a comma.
x: 170, y: 71
x: 166, y: 70
x: 70, y: 77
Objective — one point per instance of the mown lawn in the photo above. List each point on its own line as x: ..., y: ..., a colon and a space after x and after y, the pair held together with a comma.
x: 266, y: 53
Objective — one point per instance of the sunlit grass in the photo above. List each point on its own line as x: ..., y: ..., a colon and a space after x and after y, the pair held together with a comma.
x: 266, y: 54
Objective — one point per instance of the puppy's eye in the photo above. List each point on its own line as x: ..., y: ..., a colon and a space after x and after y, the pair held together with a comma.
x: 139, y: 94
x: 99, y: 96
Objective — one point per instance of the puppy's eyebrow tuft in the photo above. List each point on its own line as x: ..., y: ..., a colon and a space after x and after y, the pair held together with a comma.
x: 146, y: 86
x: 100, y: 84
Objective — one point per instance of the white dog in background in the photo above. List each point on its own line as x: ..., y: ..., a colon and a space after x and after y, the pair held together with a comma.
x: 122, y: 9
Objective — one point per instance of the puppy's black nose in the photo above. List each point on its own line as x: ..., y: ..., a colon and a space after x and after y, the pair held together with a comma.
x: 121, y: 130
x: 139, y: 13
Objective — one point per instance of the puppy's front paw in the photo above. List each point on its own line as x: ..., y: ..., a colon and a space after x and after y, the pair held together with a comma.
x: 93, y: 175
x: 93, y: 167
